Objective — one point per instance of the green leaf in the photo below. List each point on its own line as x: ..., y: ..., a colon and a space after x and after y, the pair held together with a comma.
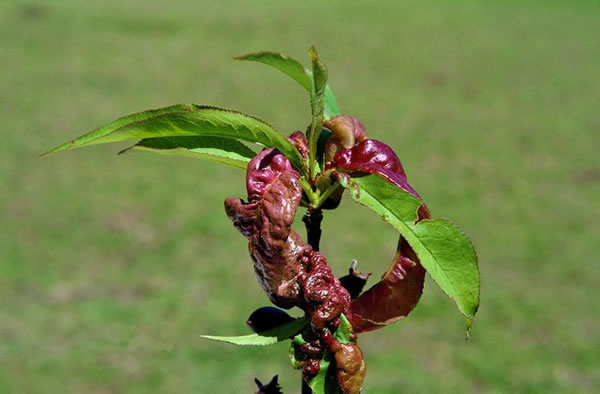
x: 317, y: 103
x: 218, y: 149
x: 297, y: 72
x: 325, y: 382
x: 318, y: 382
x: 270, y: 337
x: 285, y: 64
x: 189, y: 120
x: 442, y: 248
x: 343, y: 334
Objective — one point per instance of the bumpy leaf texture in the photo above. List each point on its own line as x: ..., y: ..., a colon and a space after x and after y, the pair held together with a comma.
x: 401, y: 286
x: 288, y: 270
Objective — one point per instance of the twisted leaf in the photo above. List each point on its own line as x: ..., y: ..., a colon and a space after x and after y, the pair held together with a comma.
x: 442, y: 248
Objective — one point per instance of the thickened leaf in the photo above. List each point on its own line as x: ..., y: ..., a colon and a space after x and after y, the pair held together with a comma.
x: 218, y: 149
x: 297, y: 72
x: 189, y: 120
x: 270, y: 337
x: 443, y: 249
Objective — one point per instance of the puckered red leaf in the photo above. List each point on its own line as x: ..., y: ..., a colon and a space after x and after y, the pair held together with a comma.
x: 442, y: 248
x: 297, y: 72
x: 218, y: 149
x: 189, y: 120
x: 270, y: 337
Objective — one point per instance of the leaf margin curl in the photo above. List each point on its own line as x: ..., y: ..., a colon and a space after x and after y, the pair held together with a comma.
x: 415, y: 232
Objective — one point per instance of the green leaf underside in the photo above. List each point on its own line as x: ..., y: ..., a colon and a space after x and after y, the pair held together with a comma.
x: 189, y: 120
x: 443, y: 250
x: 317, y: 103
x: 218, y: 149
x: 270, y: 337
x: 344, y: 331
x: 297, y: 72
x: 325, y: 382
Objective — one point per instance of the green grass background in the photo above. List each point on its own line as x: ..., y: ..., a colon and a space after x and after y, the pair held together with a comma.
x: 111, y: 267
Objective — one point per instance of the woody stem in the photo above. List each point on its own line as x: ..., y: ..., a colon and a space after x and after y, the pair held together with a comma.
x: 312, y: 220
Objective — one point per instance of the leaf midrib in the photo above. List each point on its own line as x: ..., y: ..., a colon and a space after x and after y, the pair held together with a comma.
x: 415, y: 239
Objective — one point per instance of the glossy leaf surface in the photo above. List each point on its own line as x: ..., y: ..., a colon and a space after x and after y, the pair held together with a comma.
x: 297, y: 72
x: 218, y: 149
x: 270, y: 337
x: 442, y: 248
x: 189, y: 120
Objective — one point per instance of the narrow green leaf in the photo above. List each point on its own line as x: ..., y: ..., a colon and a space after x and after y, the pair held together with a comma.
x: 189, y: 120
x: 297, y: 72
x: 318, y: 382
x: 270, y: 337
x: 331, y: 108
x: 343, y: 333
x: 283, y: 63
x: 325, y: 382
x: 442, y: 248
x: 218, y: 149
x: 319, y: 71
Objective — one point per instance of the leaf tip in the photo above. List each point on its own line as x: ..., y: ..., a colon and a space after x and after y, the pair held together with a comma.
x: 469, y: 326
x: 314, y: 55
x: 59, y: 148
x: 126, y: 150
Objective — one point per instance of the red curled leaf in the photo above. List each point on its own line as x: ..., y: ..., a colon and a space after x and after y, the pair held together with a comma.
x: 274, y: 195
x: 346, y: 131
x: 288, y: 270
x: 400, y: 288
x: 394, y: 296
x: 374, y: 157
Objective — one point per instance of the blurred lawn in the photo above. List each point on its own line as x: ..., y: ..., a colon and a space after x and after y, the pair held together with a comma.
x: 111, y: 267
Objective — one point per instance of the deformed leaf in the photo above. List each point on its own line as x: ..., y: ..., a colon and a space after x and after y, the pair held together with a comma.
x: 218, y: 149
x: 297, y: 72
x: 189, y: 120
x: 442, y: 248
x: 270, y: 337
